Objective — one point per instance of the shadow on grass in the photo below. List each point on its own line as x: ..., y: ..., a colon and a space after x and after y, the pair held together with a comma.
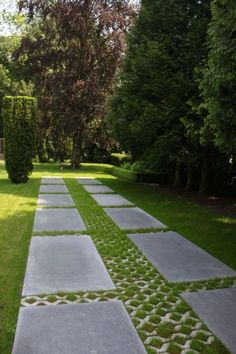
x: 25, y: 190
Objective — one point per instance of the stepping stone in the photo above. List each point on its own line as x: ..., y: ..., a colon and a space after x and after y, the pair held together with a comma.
x: 133, y: 218
x: 94, y: 328
x: 98, y: 189
x: 217, y: 308
x: 110, y: 200
x: 88, y: 181
x: 64, y: 263
x: 55, y: 200
x: 52, y: 180
x: 178, y: 259
x: 58, y: 220
x: 53, y: 188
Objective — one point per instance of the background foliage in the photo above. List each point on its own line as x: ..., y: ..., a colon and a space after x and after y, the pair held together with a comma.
x: 173, y: 105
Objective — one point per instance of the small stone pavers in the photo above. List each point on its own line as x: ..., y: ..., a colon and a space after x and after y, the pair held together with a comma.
x: 88, y: 181
x: 52, y: 180
x: 178, y: 259
x: 101, y: 328
x: 98, y: 189
x: 133, y: 219
x: 58, y: 220
x: 53, y: 188
x: 55, y: 200
x: 217, y: 308
x: 64, y: 263
x: 110, y: 200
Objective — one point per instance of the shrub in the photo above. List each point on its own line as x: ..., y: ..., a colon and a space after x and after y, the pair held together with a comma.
x: 138, y: 166
x: 19, y: 114
x: 120, y: 172
x: 126, y: 165
x: 118, y: 159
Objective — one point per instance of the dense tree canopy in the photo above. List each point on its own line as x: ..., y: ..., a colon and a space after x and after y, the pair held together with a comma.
x: 219, y: 79
x: 11, y: 77
x: 73, y: 53
x: 157, y: 81
x: 173, y: 98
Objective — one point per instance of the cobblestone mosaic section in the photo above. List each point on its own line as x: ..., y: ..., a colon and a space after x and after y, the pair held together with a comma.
x: 64, y: 263
x: 133, y: 219
x: 98, y: 189
x: 178, y: 259
x: 110, y: 200
x: 58, y: 220
x: 102, y: 328
x: 52, y: 180
x: 53, y: 188
x: 88, y: 181
x: 217, y: 308
x: 55, y: 200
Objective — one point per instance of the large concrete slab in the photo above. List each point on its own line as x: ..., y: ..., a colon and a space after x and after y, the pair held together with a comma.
x: 58, y: 220
x: 88, y: 181
x: 53, y: 188
x: 64, y: 263
x: 178, y: 259
x: 217, y: 308
x: 98, y: 189
x: 110, y: 200
x: 133, y: 218
x: 94, y: 328
x: 52, y: 180
x: 55, y: 200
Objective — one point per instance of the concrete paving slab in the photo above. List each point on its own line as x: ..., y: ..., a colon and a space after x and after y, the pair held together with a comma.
x: 133, y: 218
x: 98, y: 189
x: 55, y: 200
x: 178, y: 259
x: 88, y: 181
x: 52, y: 180
x: 58, y: 220
x: 94, y: 328
x: 110, y: 200
x: 53, y: 188
x: 64, y: 263
x: 217, y: 308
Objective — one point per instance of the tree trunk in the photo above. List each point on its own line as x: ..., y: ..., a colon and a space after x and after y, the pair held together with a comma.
x: 190, y: 177
x: 177, y: 177
x: 205, y: 174
x: 76, y: 150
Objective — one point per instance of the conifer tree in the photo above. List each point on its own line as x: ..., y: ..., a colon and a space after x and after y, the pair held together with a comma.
x: 219, y: 80
x: 151, y: 105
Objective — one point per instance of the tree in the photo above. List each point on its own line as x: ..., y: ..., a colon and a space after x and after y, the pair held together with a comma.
x: 219, y: 80
x: 11, y: 77
x: 212, y: 129
x: 73, y: 53
x: 150, y: 107
x: 20, y: 136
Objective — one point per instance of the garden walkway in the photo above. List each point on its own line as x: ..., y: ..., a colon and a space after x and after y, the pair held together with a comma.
x: 96, y: 262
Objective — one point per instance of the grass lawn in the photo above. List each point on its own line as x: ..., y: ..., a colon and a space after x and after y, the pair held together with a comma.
x: 129, y: 270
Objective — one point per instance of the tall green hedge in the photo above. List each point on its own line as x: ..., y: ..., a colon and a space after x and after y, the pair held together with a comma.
x: 19, y: 116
